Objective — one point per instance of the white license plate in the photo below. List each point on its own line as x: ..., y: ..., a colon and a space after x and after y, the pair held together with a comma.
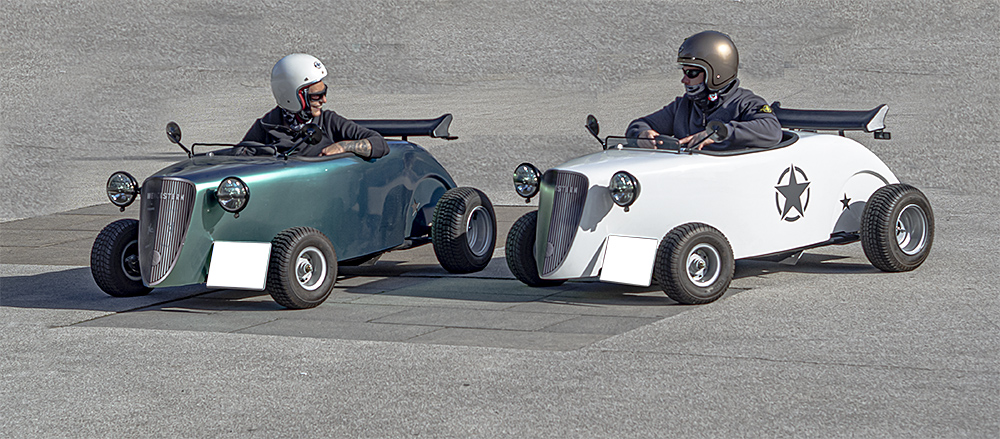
x: 241, y: 265
x: 629, y: 260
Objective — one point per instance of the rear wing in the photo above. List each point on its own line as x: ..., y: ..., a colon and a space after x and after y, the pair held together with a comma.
x: 437, y: 128
x: 871, y: 121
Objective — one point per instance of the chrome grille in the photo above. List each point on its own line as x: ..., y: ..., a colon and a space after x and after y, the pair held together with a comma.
x: 167, y: 204
x: 569, y: 196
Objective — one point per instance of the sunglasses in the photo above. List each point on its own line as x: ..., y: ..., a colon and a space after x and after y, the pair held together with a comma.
x: 317, y: 96
x: 692, y: 73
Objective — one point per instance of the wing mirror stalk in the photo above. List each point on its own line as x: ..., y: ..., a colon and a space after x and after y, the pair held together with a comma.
x: 716, y: 131
x: 310, y: 134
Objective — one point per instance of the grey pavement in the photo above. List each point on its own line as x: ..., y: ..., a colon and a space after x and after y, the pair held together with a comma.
x: 830, y: 347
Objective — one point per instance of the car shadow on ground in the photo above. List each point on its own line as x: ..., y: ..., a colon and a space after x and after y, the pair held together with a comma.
x: 809, y: 263
x: 74, y: 288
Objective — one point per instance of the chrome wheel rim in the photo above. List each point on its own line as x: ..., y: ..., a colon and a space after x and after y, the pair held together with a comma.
x: 911, y: 230
x: 310, y: 268
x: 130, y: 261
x: 703, y: 265
x: 478, y: 231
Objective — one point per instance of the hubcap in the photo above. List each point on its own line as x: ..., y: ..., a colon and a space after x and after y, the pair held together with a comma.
x: 130, y: 261
x: 310, y: 268
x: 478, y: 232
x: 911, y: 230
x: 703, y: 264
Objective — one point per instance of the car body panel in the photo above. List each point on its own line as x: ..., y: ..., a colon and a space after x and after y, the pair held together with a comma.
x: 363, y: 206
x: 750, y: 198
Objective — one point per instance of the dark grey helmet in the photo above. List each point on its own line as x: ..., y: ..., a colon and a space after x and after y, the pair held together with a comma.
x: 715, y: 53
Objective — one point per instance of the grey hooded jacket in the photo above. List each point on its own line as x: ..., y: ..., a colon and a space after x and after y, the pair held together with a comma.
x: 746, y: 115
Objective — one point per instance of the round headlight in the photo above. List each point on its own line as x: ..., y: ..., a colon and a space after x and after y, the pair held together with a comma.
x: 233, y: 194
x: 624, y: 189
x: 526, y: 178
x: 122, y: 189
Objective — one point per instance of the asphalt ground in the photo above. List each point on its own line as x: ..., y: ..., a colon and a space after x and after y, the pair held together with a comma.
x: 828, y: 347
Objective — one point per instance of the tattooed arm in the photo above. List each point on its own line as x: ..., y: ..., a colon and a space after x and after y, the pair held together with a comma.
x: 362, y: 148
x: 351, y: 137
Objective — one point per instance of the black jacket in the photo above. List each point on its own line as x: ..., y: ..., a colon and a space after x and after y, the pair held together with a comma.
x: 272, y: 130
x: 746, y: 115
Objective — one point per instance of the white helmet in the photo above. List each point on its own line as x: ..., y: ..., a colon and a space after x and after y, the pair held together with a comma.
x: 293, y: 74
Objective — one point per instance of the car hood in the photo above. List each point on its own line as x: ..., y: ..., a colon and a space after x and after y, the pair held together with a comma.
x: 212, y: 169
x: 638, y: 162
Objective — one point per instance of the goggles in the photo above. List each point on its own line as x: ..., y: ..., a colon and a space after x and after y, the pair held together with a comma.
x: 692, y: 73
x: 316, y: 96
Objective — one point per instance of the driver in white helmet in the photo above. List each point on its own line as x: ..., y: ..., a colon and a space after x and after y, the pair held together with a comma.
x: 297, y: 84
x: 709, y: 61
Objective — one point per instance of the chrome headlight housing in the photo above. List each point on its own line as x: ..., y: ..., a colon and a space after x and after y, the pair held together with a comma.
x: 232, y: 194
x: 526, y: 180
x: 624, y: 189
x: 122, y: 189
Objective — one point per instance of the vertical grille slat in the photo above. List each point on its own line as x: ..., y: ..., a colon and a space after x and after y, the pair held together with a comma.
x: 569, y: 197
x: 167, y: 205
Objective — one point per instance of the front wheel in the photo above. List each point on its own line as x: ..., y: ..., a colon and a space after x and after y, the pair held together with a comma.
x: 303, y: 268
x: 520, y: 252
x: 694, y: 264
x: 114, y: 260
x: 464, y: 230
x: 897, y: 228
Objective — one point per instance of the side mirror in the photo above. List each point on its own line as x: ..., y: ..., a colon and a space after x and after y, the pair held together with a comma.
x: 594, y: 129
x: 174, y: 132
x: 593, y: 126
x: 717, y: 130
x: 312, y: 134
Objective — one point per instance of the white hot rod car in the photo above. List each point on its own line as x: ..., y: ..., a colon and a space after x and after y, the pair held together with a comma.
x: 681, y: 216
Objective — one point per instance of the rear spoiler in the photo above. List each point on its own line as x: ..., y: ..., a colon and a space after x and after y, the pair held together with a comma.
x: 872, y: 121
x: 437, y: 128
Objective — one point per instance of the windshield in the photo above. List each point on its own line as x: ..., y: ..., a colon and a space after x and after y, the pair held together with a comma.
x: 660, y: 142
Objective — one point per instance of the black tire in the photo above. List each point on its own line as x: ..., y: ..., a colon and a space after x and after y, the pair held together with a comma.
x: 694, y: 264
x: 520, y: 252
x: 897, y: 228
x: 114, y: 260
x: 303, y: 268
x: 464, y: 232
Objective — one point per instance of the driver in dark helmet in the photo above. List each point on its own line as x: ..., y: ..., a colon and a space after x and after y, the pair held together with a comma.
x: 709, y: 62
x: 297, y: 84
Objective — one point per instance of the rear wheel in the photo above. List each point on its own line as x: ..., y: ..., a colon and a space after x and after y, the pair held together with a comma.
x: 114, y: 260
x: 303, y: 268
x: 520, y: 252
x: 694, y: 264
x: 897, y: 228
x: 464, y: 230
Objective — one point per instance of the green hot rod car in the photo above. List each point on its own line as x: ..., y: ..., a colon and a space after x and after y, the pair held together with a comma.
x: 282, y: 222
